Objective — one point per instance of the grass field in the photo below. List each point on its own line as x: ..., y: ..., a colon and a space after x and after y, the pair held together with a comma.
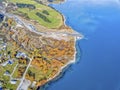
x: 54, y: 16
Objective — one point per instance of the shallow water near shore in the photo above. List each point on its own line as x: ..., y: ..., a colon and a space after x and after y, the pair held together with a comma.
x: 99, y: 65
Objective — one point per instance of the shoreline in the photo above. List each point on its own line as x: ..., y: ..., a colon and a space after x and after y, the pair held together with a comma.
x: 64, y: 21
x: 75, y: 53
x: 63, y: 68
x: 70, y: 62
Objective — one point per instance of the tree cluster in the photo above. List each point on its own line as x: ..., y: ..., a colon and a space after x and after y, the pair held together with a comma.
x: 22, y: 5
x: 43, y: 17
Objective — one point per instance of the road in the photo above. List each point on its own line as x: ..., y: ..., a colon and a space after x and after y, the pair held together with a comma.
x: 13, y: 72
x: 33, y: 29
x: 23, y: 78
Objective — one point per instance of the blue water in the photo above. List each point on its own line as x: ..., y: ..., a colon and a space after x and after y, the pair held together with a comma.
x: 99, y: 66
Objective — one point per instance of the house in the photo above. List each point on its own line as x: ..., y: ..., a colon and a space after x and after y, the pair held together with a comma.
x: 50, y: 0
x: 4, y: 64
x: 7, y: 62
x: 1, y: 85
x: 13, y: 81
x: 21, y: 54
x: 33, y: 84
x: 10, y: 61
x: 4, y: 45
x: 1, y: 88
x: 0, y: 55
x: 7, y: 73
x: 1, y: 17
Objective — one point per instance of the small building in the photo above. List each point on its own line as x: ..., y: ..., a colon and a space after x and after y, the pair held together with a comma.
x: 7, y: 73
x: 50, y: 0
x: 4, y: 45
x: 10, y: 61
x: 1, y: 88
x: 13, y: 81
x: 21, y: 54
x: 1, y: 85
x: 4, y: 64
x: 0, y: 55
x: 1, y: 17
x: 33, y: 84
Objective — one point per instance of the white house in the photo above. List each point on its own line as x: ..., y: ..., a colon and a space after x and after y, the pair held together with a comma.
x: 13, y: 81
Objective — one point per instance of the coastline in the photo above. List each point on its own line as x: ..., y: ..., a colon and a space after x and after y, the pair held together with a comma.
x: 75, y: 53
x: 68, y: 79
x: 64, y: 22
x: 62, y: 69
x: 74, y: 39
x: 70, y: 62
x: 74, y: 56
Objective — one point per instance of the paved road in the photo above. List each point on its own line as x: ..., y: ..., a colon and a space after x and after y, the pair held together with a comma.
x: 23, y: 78
x: 13, y: 72
x: 33, y: 29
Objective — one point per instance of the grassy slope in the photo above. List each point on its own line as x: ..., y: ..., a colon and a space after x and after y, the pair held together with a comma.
x: 54, y: 17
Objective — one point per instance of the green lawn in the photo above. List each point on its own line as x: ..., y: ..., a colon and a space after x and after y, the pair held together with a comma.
x: 15, y: 74
x: 54, y: 16
x: 12, y: 86
x: 2, y: 71
x: 10, y: 67
x: 38, y: 73
x: 7, y: 67
x: 6, y: 79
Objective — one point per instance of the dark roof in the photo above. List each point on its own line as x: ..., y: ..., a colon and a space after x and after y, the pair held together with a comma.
x: 1, y: 88
x: 1, y: 17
